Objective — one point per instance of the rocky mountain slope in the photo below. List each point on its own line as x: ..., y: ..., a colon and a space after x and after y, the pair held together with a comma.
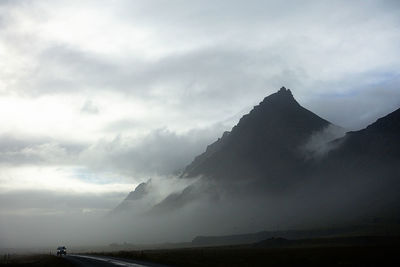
x: 283, y: 150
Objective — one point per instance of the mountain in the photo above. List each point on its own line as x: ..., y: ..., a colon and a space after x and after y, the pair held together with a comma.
x: 370, y: 153
x: 264, y: 146
x: 140, y: 192
x: 378, y: 141
x: 281, y: 161
x: 263, y: 154
x: 365, y: 165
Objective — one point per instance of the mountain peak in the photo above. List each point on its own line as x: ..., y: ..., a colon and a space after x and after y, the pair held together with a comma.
x: 281, y: 99
x: 279, y: 112
x: 272, y: 130
x: 283, y: 90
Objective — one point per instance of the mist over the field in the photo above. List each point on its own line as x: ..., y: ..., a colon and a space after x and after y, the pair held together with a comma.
x: 212, y: 211
x: 97, y: 97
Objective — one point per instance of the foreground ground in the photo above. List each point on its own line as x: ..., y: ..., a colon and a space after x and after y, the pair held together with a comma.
x: 328, y: 256
x: 34, y: 260
x: 72, y: 260
x: 358, y: 251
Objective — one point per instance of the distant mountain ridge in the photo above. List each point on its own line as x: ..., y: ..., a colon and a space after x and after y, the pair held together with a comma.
x: 250, y: 238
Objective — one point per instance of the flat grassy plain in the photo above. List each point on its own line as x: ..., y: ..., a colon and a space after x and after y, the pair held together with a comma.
x: 36, y: 260
x: 304, y: 253
x: 343, y: 251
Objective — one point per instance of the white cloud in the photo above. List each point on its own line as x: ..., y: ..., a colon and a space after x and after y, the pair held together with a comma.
x: 70, y: 179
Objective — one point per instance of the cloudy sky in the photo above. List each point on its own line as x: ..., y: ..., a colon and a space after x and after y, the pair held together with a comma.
x: 97, y: 96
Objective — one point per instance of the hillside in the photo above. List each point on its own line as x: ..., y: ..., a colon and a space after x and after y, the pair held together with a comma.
x: 282, y: 161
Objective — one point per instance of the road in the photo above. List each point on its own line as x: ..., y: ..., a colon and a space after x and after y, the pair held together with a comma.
x: 88, y: 261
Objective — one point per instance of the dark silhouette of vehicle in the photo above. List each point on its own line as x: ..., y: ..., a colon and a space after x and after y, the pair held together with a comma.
x: 61, y: 251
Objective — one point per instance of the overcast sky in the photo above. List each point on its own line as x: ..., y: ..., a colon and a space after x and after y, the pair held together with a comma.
x: 97, y: 96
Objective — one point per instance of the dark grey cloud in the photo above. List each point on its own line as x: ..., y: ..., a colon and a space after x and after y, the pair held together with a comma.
x: 37, y: 150
x: 89, y: 107
x: 207, y: 74
x: 38, y: 200
x: 120, y: 126
x: 11, y: 143
x: 63, y: 69
x: 161, y: 152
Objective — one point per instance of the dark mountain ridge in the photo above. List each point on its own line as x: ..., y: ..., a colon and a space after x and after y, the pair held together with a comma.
x: 264, y: 145
x: 266, y: 159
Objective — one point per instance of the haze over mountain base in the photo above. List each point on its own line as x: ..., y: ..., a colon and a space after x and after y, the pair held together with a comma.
x: 281, y: 167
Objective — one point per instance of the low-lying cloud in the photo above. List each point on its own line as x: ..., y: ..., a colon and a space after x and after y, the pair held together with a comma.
x: 322, y: 142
